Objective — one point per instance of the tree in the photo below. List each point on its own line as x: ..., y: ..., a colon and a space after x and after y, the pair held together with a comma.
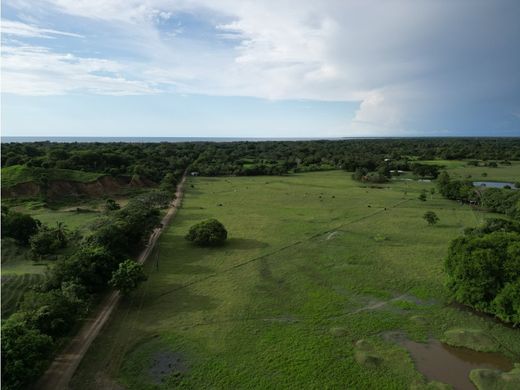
x: 44, y: 243
x: 128, y: 276
x: 25, y: 351
x: 169, y: 182
x: 422, y: 196
x: 92, y: 266
x: 48, y: 240
x: 431, y: 217
x: 484, y: 272
x: 207, y: 233
x: 18, y: 226
x: 52, y: 312
x: 111, y: 205
x: 61, y: 231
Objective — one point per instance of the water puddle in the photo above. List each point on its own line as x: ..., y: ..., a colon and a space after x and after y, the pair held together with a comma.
x: 450, y: 365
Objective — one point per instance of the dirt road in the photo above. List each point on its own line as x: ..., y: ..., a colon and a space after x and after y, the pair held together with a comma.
x: 60, y: 372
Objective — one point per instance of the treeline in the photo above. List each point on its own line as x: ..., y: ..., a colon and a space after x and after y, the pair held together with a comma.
x: 498, y: 200
x: 49, y: 312
x: 154, y: 160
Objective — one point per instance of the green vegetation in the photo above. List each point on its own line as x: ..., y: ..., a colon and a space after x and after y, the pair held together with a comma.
x: 486, y: 379
x: 300, y: 281
x: 25, y: 353
x: 154, y: 161
x: 13, y: 288
x: 127, y: 276
x: 207, y: 233
x: 475, y: 339
x: 430, y: 217
x: 317, y: 268
x: 16, y: 174
x: 483, y: 268
x: 18, y: 226
x: 50, y: 311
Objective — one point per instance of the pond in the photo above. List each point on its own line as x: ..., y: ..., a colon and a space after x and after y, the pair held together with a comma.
x: 493, y: 184
x: 451, y: 365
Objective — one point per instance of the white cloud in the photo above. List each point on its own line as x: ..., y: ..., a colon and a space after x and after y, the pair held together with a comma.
x: 10, y: 27
x: 32, y: 70
x: 404, y: 61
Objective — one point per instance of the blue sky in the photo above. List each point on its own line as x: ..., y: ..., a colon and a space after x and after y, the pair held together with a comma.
x: 232, y: 68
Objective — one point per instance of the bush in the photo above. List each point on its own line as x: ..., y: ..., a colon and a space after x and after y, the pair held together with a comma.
x: 431, y: 217
x: 111, y: 205
x: 210, y: 232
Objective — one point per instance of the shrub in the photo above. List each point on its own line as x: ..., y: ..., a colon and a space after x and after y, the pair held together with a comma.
x: 210, y: 232
x: 430, y: 217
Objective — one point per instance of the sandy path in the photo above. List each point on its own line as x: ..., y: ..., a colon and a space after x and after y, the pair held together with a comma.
x: 62, y: 369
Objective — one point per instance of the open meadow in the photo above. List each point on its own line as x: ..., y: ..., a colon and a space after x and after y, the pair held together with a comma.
x: 317, y: 270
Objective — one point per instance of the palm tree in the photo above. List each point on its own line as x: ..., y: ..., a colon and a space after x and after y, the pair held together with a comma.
x: 61, y: 233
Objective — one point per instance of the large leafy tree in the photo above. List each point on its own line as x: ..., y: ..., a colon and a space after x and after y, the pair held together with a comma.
x: 210, y: 232
x: 484, y: 271
x: 128, y: 276
x: 18, y: 226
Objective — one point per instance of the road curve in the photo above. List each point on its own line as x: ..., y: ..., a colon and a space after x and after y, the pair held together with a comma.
x: 60, y: 372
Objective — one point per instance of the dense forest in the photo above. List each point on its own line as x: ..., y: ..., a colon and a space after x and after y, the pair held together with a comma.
x: 154, y: 160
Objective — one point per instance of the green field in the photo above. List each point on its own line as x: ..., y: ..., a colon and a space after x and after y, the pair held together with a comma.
x: 13, y: 288
x: 17, y: 174
x: 460, y: 169
x: 315, y: 263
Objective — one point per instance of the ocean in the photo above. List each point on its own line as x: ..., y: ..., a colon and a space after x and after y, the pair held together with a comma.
x: 152, y: 139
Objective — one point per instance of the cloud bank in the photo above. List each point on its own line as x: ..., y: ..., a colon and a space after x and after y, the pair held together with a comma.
x: 413, y: 66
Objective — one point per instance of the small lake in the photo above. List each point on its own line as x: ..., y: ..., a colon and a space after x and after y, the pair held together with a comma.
x: 493, y: 184
x: 440, y: 362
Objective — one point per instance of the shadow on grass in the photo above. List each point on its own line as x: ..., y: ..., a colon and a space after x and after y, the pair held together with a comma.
x: 244, y: 244
x: 184, y: 301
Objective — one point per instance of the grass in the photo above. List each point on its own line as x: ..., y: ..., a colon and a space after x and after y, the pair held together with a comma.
x: 13, y: 288
x: 461, y: 170
x: 485, y: 379
x: 17, y: 174
x: 305, y: 276
x: 19, y: 273
x: 475, y: 339
x: 69, y: 216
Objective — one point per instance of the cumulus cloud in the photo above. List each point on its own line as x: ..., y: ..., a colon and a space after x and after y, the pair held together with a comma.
x: 32, y: 70
x: 405, y: 62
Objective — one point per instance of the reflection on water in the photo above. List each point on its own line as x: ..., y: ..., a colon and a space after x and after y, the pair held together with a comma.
x: 451, y: 365
x: 493, y: 184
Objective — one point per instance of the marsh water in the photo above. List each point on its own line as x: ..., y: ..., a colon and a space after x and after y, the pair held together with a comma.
x: 450, y: 365
x: 493, y: 184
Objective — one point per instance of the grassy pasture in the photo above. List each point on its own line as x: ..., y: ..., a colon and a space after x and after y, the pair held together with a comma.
x: 317, y: 267
x: 13, y: 288
x: 459, y: 169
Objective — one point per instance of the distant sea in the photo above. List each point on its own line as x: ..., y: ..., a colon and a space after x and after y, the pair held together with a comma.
x: 150, y: 139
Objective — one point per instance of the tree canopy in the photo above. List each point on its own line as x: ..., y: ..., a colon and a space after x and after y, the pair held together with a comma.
x: 206, y: 233
x: 483, y: 268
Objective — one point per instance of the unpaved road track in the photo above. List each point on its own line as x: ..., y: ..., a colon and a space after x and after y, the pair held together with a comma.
x: 58, y: 375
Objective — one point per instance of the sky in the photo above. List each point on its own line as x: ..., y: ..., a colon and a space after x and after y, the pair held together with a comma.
x: 264, y: 68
